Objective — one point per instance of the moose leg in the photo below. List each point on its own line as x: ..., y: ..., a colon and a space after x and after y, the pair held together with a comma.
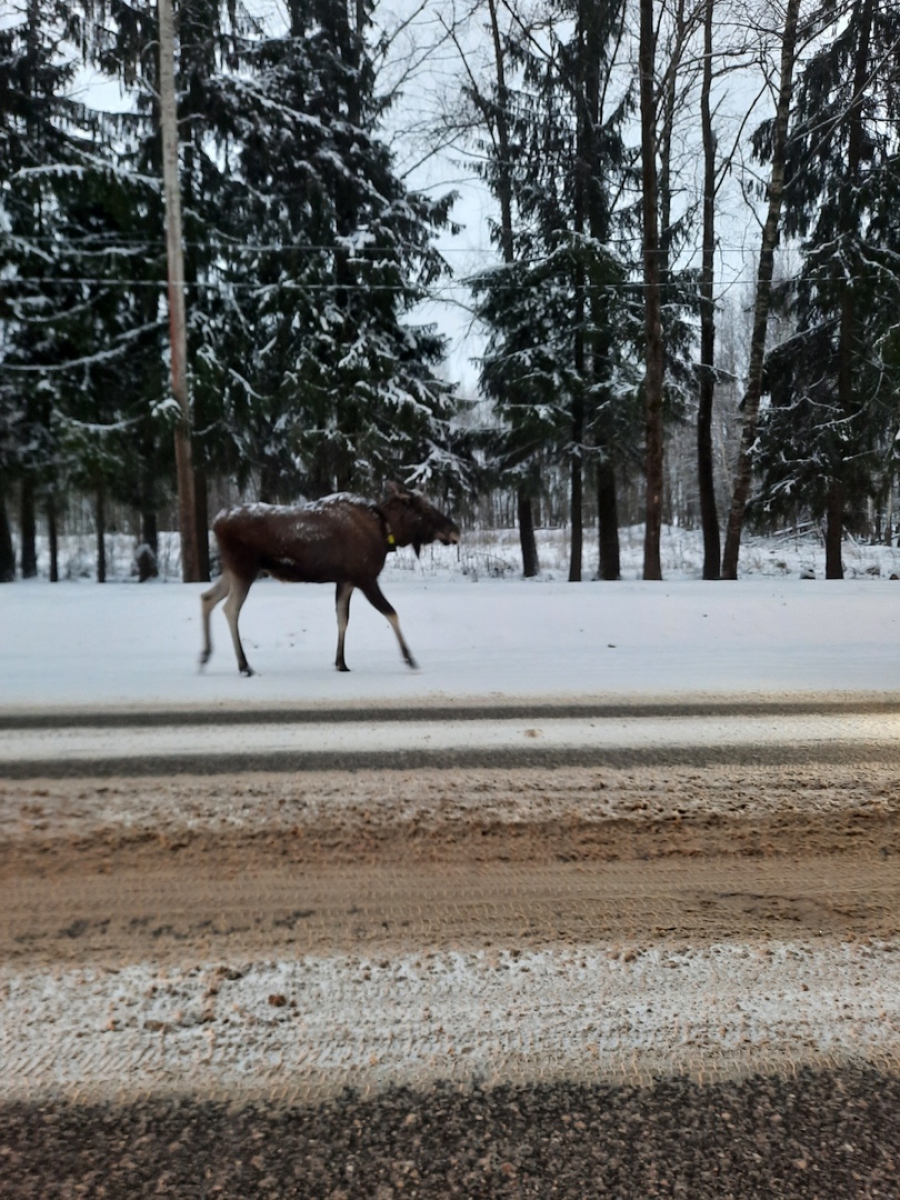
x: 232, y: 607
x: 208, y: 602
x: 342, y: 600
x: 377, y: 599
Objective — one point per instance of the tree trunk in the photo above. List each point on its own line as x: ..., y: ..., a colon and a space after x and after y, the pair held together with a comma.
x: 100, y: 512
x: 27, y: 529
x: 497, y: 118
x: 148, y: 560
x: 834, y: 567
x: 653, y: 339
x: 576, y: 545
x: 201, y: 508
x: 889, y: 511
x: 187, y: 523
x: 602, y: 335
x: 709, y: 519
x: 150, y: 530
x: 530, y: 564
x: 268, y: 486
x: 666, y: 106
x: 847, y: 350
x: 744, y: 468
x: 7, y: 552
x: 581, y: 180
x: 608, y: 521
x: 53, y: 536
x: 501, y: 116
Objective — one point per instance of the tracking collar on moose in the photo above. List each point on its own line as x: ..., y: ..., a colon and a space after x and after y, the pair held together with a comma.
x: 342, y: 539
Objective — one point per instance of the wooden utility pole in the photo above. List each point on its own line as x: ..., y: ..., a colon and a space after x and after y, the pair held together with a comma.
x: 187, y: 523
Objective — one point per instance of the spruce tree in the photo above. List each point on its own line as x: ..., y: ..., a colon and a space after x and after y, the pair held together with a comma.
x: 85, y: 334
x: 834, y: 390
x: 559, y: 364
x: 210, y: 35
x: 42, y: 140
x: 331, y: 385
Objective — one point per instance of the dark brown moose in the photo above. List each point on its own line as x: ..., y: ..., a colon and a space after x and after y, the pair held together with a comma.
x: 342, y: 539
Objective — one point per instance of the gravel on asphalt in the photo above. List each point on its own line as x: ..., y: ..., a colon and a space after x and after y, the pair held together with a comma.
x: 832, y: 1134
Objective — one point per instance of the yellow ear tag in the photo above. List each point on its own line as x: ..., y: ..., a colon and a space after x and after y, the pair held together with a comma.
x: 392, y: 543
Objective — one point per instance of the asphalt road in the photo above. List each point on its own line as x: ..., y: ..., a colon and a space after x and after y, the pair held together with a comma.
x: 195, y: 741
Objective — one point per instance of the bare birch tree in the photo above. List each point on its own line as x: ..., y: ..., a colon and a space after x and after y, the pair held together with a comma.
x: 705, y: 480
x: 653, y: 339
x: 765, y: 270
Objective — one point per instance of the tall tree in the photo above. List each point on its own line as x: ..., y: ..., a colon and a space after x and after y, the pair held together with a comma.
x: 9, y: 457
x: 494, y: 106
x: 187, y: 524
x: 834, y: 385
x: 778, y: 132
x: 43, y: 137
x: 667, y: 87
x: 83, y: 335
x: 330, y: 385
x: 125, y: 45
x: 706, y: 482
x: 553, y: 364
x: 601, y: 160
x: 653, y: 336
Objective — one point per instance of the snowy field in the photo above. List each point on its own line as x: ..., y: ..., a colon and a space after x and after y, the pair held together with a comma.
x: 476, y: 628
x: 494, y: 553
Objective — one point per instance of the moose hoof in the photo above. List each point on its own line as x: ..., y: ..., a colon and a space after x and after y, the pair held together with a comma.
x: 247, y: 670
x: 341, y: 667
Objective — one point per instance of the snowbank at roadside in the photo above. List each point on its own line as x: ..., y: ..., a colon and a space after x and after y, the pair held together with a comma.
x: 316, y: 1025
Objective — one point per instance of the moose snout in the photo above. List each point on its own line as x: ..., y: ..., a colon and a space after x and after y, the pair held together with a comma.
x: 450, y: 537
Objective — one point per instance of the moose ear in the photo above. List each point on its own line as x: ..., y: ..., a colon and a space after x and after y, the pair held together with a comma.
x: 394, y: 489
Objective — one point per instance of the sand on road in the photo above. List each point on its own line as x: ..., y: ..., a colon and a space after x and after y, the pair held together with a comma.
x: 595, y: 887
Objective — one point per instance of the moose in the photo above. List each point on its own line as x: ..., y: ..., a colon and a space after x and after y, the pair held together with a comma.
x: 341, y: 539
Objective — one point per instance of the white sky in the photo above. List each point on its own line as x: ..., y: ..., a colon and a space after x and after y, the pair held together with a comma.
x: 432, y: 84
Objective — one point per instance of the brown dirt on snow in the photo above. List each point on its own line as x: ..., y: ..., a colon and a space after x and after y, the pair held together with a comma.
x: 112, y: 871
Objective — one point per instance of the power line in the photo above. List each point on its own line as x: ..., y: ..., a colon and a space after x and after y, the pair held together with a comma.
x: 220, y: 285
x: 427, y: 291
x: 126, y: 243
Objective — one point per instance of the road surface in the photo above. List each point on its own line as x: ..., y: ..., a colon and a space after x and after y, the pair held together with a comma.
x: 639, y: 951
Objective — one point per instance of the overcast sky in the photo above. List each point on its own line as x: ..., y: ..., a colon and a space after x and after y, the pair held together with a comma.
x: 427, y: 68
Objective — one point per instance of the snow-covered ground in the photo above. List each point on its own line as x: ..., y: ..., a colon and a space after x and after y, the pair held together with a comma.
x: 479, y: 632
x: 476, y: 628
x: 494, y: 553
x: 315, y: 1025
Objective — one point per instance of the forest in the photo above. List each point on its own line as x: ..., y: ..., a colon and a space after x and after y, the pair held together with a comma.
x: 686, y: 310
